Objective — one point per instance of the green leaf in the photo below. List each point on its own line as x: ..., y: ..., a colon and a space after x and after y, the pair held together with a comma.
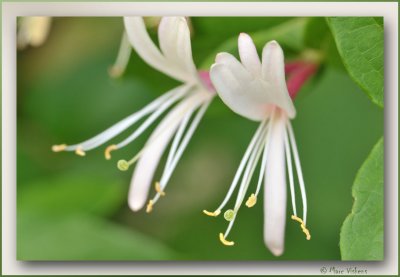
x: 361, y: 237
x: 360, y: 44
x: 83, y: 237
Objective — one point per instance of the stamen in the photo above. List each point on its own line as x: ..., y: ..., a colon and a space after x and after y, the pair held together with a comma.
x: 185, y: 141
x: 153, y: 117
x: 216, y: 213
x: 158, y: 189
x: 79, y: 151
x: 251, y: 201
x: 130, y: 120
x: 250, y: 167
x: 263, y: 163
x: 107, y: 152
x: 290, y: 172
x: 229, y: 215
x: 123, y: 165
x: 177, y: 138
x: 242, y: 164
x: 298, y: 170
x: 122, y: 60
x: 149, y: 206
x: 59, y: 147
x: 303, y: 227
x: 224, y: 241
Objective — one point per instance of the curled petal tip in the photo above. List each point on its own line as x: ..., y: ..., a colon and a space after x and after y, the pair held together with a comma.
x: 134, y: 205
x: 218, y: 57
x: 276, y: 251
x: 224, y: 241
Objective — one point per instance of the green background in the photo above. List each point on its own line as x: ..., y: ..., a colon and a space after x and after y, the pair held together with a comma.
x: 74, y: 208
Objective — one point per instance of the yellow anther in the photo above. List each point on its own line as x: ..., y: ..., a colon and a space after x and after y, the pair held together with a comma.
x: 149, y: 206
x: 303, y: 227
x: 58, y: 148
x: 251, y: 201
x: 159, y: 190
x: 224, y: 241
x: 216, y: 213
x: 298, y: 219
x: 107, y: 152
x: 79, y: 151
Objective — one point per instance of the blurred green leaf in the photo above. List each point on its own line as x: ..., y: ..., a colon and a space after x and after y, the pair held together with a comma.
x: 360, y: 43
x: 71, y: 194
x: 361, y: 237
x: 318, y: 37
x: 316, y: 32
x: 83, y: 237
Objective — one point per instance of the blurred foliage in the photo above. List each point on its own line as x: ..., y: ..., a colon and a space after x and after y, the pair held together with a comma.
x: 73, y: 208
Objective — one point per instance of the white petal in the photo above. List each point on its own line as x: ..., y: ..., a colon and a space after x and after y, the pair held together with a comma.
x: 174, y: 39
x: 248, y: 54
x: 242, y: 94
x: 275, y: 188
x: 147, y: 164
x: 148, y: 51
x: 273, y: 72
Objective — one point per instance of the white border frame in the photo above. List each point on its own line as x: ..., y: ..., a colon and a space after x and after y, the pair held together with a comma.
x: 11, y: 10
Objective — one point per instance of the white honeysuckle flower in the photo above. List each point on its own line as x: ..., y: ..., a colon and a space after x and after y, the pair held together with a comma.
x: 121, y: 62
x: 257, y: 90
x: 33, y: 31
x: 187, y: 103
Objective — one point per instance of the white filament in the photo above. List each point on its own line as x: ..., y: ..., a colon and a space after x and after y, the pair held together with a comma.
x: 241, y: 165
x: 177, y: 138
x: 162, y: 108
x: 251, y: 166
x: 299, y: 172
x: 119, y: 127
x: 290, y: 172
x: 263, y: 164
x: 168, y: 172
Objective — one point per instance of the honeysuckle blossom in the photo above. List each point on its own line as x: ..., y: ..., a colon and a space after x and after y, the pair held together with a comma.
x: 257, y: 90
x: 186, y: 105
x: 33, y: 31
